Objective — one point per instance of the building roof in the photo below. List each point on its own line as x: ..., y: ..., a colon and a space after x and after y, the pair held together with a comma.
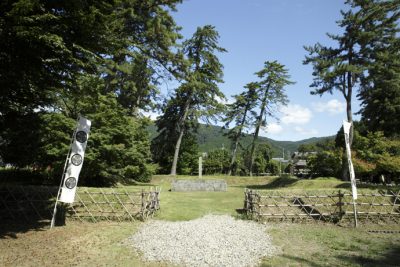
x: 280, y: 160
x: 301, y: 163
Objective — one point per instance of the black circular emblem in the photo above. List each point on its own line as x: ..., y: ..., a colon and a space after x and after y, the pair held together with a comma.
x: 81, y: 136
x: 70, y: 182
x: 76, y: 159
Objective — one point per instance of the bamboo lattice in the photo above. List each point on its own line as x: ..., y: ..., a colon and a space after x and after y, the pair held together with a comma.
x: 35, y: 203
x: 26, y: 203
x: 322, y: 206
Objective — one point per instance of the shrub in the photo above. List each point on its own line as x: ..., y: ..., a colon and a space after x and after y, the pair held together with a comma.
x: 325, y: 163
x: 217, y: 161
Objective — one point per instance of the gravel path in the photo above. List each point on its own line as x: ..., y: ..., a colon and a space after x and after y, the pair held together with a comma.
x: 213, y: 240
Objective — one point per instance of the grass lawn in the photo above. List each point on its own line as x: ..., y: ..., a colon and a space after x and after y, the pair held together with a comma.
x: 324, y: 245
x: 100, y: 244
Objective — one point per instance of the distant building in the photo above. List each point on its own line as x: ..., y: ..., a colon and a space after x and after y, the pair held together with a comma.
x: 299, y: 163
x: 281, y: 160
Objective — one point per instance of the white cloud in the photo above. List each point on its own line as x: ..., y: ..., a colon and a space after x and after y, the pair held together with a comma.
x: 303, y: 131
x: 150, y: 114
x: 295, y: 114
x: 227, y: 100
x: 273, y: 128
x: 333, y: 106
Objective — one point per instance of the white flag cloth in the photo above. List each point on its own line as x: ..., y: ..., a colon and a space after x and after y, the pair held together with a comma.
x: 75, y: 161
x: 346, y: 129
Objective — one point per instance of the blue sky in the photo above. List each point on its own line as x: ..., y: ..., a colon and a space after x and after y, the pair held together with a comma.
x: 254, y: 31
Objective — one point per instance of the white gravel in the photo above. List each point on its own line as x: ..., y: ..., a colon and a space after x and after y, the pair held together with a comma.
x: 213, y: 240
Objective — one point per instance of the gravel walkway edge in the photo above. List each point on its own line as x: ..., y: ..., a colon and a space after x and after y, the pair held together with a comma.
x: 213, y: 240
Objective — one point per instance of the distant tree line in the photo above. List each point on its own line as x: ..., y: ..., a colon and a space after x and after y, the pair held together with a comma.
x: 218, y: 161
x: 106, y: 60
x: 373, y: 155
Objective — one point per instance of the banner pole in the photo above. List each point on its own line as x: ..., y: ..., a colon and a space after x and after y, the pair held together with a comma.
x: 355, y: 213
x: 53, y: 219
x: 347, y: 128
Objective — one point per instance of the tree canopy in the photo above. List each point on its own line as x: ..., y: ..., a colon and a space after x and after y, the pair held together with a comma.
x: 100, y: 59
x: 197, y: 97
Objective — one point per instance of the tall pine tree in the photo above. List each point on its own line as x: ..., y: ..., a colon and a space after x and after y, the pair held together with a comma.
x: 242, y: 114
x: 358, y: 60
x: 339, y: 68
x: 274, y: 77
x: 163, y: 145
x: 197, y: 97
x: 380, y: 49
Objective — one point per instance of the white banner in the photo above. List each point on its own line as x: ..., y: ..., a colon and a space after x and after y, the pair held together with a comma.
x: 346, y: 129
x: 75, y: 161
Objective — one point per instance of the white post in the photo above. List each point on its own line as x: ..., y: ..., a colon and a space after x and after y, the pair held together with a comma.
x: 200, y: 166
x: 53, y: 219
x: 73, y: 165
x: 283, y: 158
x: 346, y: 129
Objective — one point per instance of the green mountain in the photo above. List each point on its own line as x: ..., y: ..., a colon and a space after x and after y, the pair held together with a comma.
x: 210, y: 137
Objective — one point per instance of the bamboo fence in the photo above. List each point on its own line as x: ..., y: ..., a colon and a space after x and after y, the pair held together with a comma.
x: 35, y: 204
x: 323, y: 206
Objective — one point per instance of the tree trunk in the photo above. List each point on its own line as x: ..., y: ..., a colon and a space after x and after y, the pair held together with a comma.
x: 345, y: 165
x: 176, y: 154
x: 253, y: 147
x: 259, y: 122
x: 179, y: 141
x: 233, y: 160
x: 350, y: 81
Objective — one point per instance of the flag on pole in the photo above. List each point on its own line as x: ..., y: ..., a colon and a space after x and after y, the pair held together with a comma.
x: 346, y: 129
x: 75, y: 161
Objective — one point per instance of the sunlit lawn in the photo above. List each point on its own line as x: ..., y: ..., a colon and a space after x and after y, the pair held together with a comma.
x: 190, y: 205
x: 88, y: 244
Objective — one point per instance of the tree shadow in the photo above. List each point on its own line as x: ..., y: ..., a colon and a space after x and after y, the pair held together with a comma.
x: 136, y: 183
x: 347, y: 185
x: 297, y: 260
x: 312, y: 211
x: 391, y: 257
x: 12, y: 229
x: 344, y: 185
x: 27, y: 208
x: 277, y: 183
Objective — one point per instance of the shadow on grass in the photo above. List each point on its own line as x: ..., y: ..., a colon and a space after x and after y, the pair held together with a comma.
x: 27, y: 208
x: 277, y: 183
x: 347, y: 185
x: 390, y: 258
x: 297, y: 260
x: 12, y: 229
x: 135, y: 183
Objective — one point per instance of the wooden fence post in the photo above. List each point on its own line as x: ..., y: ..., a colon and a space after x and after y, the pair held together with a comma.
x: 340, y: 205
x: 143, y: 205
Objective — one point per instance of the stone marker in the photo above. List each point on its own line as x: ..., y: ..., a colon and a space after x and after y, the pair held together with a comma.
x: 199, y: 185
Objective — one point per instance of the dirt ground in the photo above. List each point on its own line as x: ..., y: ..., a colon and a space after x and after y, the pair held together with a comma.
x: 76, y: 244
x: 102, y: 244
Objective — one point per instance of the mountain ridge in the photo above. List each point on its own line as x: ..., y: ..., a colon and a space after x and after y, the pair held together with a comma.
x: 210, y: 137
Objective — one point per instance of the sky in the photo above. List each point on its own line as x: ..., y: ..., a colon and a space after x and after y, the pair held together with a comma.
x: 255, y: 31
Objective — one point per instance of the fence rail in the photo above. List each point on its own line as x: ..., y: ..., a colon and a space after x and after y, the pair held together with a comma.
x: 325, y: 206
x: 35, y: 203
